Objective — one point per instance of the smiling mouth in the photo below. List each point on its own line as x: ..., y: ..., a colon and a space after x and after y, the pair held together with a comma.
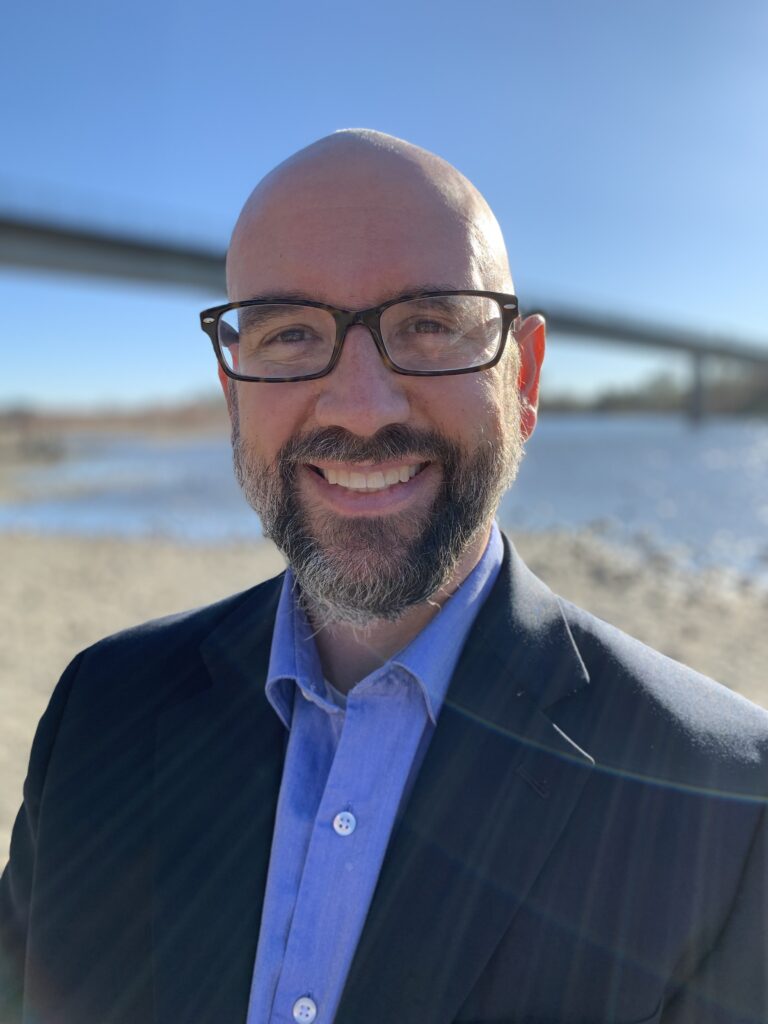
x: 373, y: 480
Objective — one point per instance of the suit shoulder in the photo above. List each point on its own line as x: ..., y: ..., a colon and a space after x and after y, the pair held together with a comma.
x: 192, y: 622
x: 645, y: 701
x: 182, y: 629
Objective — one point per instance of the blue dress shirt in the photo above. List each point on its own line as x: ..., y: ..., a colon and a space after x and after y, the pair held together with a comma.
x: 349, y: 767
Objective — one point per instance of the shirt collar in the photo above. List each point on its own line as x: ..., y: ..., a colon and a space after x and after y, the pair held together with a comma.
x: 429, y: 659
x: 293, y: 657
x: 432, y: 655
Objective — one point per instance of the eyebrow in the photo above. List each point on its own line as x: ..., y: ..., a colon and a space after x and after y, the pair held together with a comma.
x: 415, y: 291
x: 256, y: 316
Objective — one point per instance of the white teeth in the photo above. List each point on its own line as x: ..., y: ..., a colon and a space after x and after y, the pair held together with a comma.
x: 375, y: 481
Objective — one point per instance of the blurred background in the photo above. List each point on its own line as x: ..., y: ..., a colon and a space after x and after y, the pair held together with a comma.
x: 623, y: 147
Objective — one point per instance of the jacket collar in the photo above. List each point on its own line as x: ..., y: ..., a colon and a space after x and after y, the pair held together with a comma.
x: 497, y: 788
x: 218, y: 763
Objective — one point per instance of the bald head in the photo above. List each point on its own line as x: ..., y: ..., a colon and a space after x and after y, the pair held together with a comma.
x: 355, y: 221
x: 364, y: 214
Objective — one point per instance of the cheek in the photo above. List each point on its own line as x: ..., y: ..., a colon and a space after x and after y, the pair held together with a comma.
x: 470, y: 407
x: 270, y: 414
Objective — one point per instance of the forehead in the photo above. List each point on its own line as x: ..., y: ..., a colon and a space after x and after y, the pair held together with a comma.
x: 355, y: 250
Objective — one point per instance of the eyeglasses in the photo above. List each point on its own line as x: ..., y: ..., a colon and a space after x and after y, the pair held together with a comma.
x: 425, y: 335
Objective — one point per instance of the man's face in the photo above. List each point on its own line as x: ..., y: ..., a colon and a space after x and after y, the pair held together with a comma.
x: 318, y: 459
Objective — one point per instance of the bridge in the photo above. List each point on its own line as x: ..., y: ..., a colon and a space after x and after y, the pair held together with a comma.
x: 47, y: 246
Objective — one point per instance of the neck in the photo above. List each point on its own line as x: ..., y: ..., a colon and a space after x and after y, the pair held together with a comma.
x: 348, y: 653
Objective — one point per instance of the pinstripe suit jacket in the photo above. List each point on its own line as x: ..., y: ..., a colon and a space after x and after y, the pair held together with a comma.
x: 585, y: 842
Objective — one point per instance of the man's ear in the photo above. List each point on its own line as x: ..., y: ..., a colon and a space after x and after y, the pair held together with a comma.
x: 227, y: 385
x: 531, y: 343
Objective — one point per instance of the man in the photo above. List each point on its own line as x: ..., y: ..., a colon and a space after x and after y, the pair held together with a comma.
x: 404, y: 782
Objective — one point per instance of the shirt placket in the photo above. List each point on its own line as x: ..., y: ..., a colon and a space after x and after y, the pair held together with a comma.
x: 383, y: 725
x: 308, y: 760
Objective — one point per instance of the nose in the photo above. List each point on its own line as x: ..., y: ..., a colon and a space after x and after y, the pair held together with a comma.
x: 361, y: 394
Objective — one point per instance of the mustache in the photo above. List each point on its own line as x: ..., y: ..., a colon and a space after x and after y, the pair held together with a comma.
x: 391, y: 442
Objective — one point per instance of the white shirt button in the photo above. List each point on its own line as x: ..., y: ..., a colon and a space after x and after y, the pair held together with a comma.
x: 304, y: 1010
x: 345, y: 823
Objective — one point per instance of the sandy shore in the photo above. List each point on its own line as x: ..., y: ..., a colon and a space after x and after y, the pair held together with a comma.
x: 58, y: 595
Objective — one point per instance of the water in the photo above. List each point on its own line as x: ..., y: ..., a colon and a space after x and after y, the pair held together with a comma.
x: 700, y: 494
x: 129, y: 485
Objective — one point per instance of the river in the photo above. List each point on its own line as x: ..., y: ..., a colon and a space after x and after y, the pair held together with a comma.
x: 698, y: 494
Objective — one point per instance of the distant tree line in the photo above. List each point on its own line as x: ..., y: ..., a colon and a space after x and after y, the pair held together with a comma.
x: 730, y: 390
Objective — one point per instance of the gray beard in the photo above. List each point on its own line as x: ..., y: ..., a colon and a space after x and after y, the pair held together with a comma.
x: 358, y: 570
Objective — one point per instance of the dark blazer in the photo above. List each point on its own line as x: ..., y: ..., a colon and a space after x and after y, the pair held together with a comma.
x: 586, y: 840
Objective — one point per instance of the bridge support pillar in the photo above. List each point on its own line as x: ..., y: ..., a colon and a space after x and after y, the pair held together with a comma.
x: 697, y: 396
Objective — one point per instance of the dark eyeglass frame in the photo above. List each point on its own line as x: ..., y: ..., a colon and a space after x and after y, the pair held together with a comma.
x: 370, y: 318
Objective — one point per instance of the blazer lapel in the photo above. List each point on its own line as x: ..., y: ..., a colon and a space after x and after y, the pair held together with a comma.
x: 497, y: 787
x: 219, y: 757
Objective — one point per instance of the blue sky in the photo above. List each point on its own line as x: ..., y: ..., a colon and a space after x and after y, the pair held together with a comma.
x: 622, y: 145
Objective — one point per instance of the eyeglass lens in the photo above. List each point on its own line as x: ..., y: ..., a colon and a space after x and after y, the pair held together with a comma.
x: 438, y: 333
